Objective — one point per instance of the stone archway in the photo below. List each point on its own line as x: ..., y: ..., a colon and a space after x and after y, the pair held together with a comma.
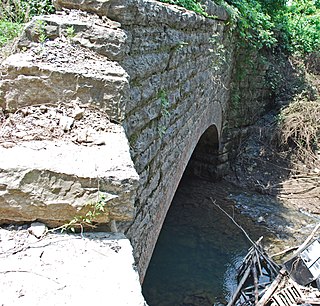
x: 204, y: 159
x: 187, y: 219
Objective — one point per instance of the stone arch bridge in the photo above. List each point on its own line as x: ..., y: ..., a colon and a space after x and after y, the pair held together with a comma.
x: 107, y: 101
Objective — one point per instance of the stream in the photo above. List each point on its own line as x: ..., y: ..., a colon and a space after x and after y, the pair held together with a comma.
x: 199, y: 247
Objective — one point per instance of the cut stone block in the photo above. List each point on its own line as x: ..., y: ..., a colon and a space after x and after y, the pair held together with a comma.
x: 54, y: 181
x: 60, y: 269
x: 102, y: 36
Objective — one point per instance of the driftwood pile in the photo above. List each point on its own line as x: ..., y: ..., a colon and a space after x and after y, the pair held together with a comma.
x: 262, y: 282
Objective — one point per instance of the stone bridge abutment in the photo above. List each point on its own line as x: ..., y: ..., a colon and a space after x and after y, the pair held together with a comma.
x: 161, y: 76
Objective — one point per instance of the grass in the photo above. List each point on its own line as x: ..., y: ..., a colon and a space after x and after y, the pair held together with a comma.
x: 9, y: 31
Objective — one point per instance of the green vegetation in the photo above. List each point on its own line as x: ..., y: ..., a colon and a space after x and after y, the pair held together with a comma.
x: 41, y: 31
x: 301, y: 23
x: 192, y: 5
x: 165, y: 114
x: 292, y: 25
x: 70, y: 32
x: 14, y: 13
x: 87, y: 220
x: 21, y: 11
x: 8, y: 31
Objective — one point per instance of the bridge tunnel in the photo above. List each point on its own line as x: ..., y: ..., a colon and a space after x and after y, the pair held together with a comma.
x: 204, y: 159
x: 187, y: 265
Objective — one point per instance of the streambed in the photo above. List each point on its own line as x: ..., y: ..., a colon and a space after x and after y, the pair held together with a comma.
x: 199, y: 248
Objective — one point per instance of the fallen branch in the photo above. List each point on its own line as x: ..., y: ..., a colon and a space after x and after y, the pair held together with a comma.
x: 241, y: 283
x: 272, y: 264
x: 306, y: 242
x: 284, y: 252
x: 232, y: 219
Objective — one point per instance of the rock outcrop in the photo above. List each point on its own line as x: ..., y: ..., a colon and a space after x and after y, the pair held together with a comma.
x: 60, y: 152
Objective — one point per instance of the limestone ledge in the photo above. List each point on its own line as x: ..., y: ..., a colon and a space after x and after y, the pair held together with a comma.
x: 145, y: 12
x: 57, y: 72
x: 54, y: 181
x: 102, y: 36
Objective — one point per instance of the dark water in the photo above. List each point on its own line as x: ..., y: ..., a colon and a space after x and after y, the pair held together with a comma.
x: 199, y: 248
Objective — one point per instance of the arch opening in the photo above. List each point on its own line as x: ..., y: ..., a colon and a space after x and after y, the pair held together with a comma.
x: 204, y: 159
x: 188, y: 264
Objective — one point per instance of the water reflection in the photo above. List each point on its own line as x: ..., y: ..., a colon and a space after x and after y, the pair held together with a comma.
x: 199, y: 248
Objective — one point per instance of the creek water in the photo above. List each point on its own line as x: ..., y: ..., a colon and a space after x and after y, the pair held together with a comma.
x: 199, y: 247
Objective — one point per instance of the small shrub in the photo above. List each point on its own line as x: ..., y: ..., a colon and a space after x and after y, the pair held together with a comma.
x: 71, y: 33
x: 8, y: 31
x: 41, y: 31
x: 87, y: 220
x: 192, y: 5
x: 299, y: 124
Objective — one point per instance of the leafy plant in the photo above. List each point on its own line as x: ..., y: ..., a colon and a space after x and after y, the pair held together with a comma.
x: 164, y: 112
x: 14, y: 13
x: 21, y: 11
x: 9, y: 31
x: 70, y: 32
x: 95, y: 210
x: 164, y: 104
x: 192, y: 5
x: 303, y: 26
x: 251, y: 21
x: 40, y: 7
x: 41, y: 30
x: 219, y: 51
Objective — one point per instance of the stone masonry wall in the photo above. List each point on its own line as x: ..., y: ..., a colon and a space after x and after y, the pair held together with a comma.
x: 250, y: 98
x: 175, y: 70
x: 178, y: 89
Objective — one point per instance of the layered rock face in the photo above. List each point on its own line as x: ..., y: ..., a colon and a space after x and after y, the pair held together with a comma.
x: 156, y: 75
x: 60, y: 152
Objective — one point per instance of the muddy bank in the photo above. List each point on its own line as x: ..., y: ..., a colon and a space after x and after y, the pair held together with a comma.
x: 262, y: 167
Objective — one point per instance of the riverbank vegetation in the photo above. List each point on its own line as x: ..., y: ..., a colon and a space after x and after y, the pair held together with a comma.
x: 295, y: 25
